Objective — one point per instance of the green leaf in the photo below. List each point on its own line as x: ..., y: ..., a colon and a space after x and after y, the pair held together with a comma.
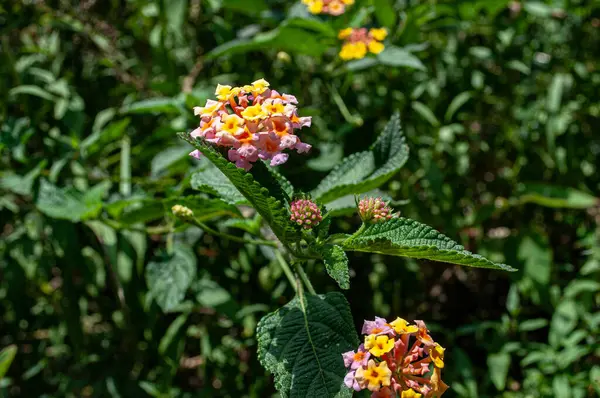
x: 246, y: 6
x: 153, y: 105
x: 7, y: 355
x: 174, y: 330
x: 408, y: 238
x: 336, y: 264
x: 425, y: 113
x: 385, y: 13
x: 456, y: 103
x: 396, y: 56
x: 69, y: 203
x: 557, y: 197
x: 302, y: 345
x: 211, y: 180
x: 31, y: 90
x: 498, y: 365
x: 364, y: 171
x: 169, y: 276
x: 260, y: 187
x: 286, y: 38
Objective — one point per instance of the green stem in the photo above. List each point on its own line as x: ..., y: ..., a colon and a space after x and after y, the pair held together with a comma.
x: 304, y: 278
x: 337, y: 98
x: 358, y: 231
x: 232, y: 237
x: 286, y: 269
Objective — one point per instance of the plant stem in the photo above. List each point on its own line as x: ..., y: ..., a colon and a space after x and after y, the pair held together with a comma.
x: 304, y: 278
x: 286, y: 269
x: 232, y: 237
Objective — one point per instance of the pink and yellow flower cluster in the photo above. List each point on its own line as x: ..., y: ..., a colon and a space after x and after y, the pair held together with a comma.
x: 357, y: 42
x: 375, y: 210
x: 397, y: 359
x: 254, y: 121
x: 332, y: 7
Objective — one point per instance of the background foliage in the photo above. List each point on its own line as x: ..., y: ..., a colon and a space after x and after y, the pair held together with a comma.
x: 499, y: 104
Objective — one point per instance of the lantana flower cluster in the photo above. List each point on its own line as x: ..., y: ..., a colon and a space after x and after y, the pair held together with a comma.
x: 396, y: 359
x: 254, y: 121
x: 331, y: 7
x: 358, y: 41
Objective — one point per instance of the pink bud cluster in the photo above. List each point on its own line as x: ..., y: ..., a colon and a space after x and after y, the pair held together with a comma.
x: 305, y: 213
x: 374, y: 210
x: 254, y: 121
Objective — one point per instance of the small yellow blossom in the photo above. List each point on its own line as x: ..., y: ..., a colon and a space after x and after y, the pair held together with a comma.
x: 436, y: 353
x: 437, y: 384
x: 274, y: 108
x: 410, y: 394
x: 378, y: 33
x: 348, y: 2
x: 232, y: 124
x: 401, y: 326
x: 224, y: 92
x: 254, y: 112
x: 336, y: 7
x: 344, y: 33
x: 353, y: 51
x: 378, y: 345
x: 376, y: 47
x: 315, y: 7
x: 259, y: 86
x: 374, y: 376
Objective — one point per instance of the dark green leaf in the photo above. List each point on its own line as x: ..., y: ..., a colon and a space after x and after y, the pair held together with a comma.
x: 169, y: 276
x: 385, y: 13
x: 364, y: 171
x: 408, y: 238
x: 69, y: 203
x: 336, y: 264
x: 302, y: 345
x: 260, y: 187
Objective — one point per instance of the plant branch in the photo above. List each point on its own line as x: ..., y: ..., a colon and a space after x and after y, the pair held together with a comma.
x: 286, y: 269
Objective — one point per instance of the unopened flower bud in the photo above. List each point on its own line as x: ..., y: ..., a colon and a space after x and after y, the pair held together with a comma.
x: 182, y: 212
x: 374, y: 210
x: 305, y: 213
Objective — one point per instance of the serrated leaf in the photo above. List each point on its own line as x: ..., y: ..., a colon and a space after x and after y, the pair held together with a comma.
x: 336, y: 264
x: 69, y: 203
x: 169, y: 276
x: 259, y: 186
x: 409, y: 238
x: 7, y: 355
x: 364, y: 171
x: 302, y: 345
x: 211, y: 180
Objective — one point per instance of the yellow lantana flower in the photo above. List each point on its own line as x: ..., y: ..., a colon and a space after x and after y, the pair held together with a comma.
x: 259, y: 86
x: 232, y: 124
x: 401, y: 326
x: 315, y: 7
x: 378, y: 345
x: 376, y: 47
x: 410, y: 394
x: 344, y: 33
x: 224, y: 92
x: 378, y: 33
x: 374, y: 376
x: 254, y: 112
x: 348, y: 2
x: 436, y: 353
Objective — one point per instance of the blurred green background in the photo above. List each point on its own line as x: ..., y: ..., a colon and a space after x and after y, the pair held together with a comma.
x: 500, y: 103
